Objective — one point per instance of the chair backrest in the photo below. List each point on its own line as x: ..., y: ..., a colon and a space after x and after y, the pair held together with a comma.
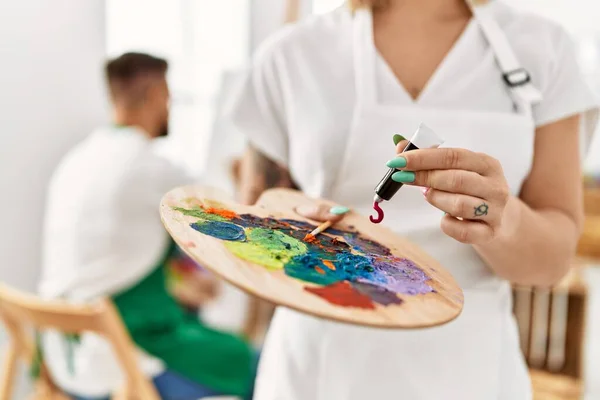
x: 552, y: 324
x: 589, y: 242
x: 591, y: 201
x: 20, y: 311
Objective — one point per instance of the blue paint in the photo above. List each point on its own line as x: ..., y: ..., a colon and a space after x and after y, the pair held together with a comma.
x: 305, y: 266
x: 220, y: 230
x: 358, y: 268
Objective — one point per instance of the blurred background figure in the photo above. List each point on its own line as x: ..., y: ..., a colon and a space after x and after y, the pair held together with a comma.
x: 104, y: 237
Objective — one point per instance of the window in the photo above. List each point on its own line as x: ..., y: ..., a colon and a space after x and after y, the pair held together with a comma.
x: 202, y: 40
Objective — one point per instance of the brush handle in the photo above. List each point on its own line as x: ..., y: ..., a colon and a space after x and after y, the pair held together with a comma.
x: 321, y: 228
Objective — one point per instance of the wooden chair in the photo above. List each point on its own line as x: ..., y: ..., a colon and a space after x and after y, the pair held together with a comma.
x: 591, y: 201
x: 551, y: 327
x: 589, y: 243
x: 20, y: 312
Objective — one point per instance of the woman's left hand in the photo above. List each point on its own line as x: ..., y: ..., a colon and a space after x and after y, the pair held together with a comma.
x: 470, y: 187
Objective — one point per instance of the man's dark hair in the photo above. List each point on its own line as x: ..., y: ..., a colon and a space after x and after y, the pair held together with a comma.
x: 123, y: 72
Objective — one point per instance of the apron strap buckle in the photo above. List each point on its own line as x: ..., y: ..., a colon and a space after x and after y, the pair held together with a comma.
x: 517, y: 77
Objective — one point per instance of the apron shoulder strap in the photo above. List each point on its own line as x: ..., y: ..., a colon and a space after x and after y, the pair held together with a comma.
x: 514, y: 75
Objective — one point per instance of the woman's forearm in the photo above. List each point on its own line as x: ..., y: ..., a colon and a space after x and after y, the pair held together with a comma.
x: 533, y: 247
x: 258, y: 173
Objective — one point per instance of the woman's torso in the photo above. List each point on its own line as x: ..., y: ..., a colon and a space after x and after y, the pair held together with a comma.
x: 466, y: 102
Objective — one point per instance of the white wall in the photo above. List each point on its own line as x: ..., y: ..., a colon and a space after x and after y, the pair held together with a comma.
x: 268, y: 15
x: 51, y: 96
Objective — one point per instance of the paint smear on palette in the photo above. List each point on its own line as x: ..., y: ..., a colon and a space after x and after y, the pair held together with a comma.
x: 201, y: 213
x: 365, y: 245
x: 378, y: 294
x: 220, y: 230
x: 343, y: 294
x: 304, y: 267
x: 402, y: 275
x: 253, y: 221
x: 353, y: 272
x: 306, y: 226
x: 267, y: 247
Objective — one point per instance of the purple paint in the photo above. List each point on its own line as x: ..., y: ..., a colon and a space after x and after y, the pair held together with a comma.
x: 378, y: 294
x: 401, y: 275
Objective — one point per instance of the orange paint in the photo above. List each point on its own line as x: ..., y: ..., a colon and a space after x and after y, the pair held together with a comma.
x: 329, y: 265
x: 223, y: 213
x: 343, y: 294
x: 320, y: 270
x: 310, y: 239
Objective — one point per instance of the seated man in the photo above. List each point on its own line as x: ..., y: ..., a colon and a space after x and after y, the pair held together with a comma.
x: 104, y: 237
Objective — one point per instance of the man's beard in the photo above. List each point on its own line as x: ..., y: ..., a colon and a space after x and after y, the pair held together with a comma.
x: 164, y: 132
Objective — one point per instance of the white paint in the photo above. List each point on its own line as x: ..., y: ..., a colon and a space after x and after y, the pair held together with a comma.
x: 51, y: 97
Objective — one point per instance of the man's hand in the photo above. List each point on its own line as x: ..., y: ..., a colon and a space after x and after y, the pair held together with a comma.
x: 195, y: 289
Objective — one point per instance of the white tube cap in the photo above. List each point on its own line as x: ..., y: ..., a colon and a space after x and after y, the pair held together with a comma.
x: 425, y: 138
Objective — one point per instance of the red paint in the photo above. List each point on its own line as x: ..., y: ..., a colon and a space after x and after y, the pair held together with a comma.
x: 329, y: 265
x: 342, y: 294
x: 379, y: 211
x: 223, y: 213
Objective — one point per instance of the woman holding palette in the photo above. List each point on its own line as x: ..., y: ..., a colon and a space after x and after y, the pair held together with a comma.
x: 501, y: 201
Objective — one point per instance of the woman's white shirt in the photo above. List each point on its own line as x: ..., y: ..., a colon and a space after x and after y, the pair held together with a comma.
x: 301, y: 95
x: 302, y: 79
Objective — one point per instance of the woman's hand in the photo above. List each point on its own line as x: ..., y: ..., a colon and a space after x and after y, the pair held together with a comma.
x: 323, y: 212
x: 470, y: 187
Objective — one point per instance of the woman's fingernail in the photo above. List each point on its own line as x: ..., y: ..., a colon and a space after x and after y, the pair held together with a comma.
x: 425, y: 190
x: 398, y: 139
x: 338, y: 210
x: 398, y: 162
x: 404, y: 177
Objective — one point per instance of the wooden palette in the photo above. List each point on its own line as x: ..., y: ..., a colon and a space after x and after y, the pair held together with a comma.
x: 416, y: 311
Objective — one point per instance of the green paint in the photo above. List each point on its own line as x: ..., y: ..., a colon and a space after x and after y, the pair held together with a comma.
x: 404, y: 176
x: 398, y: 162
x: 398, y: 139
x: 338, y: 210
x: 200, y: 213
x: 266, y: 247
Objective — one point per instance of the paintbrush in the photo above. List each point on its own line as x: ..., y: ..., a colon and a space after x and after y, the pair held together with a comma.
x: 335, y: 210
x: 311, y: 237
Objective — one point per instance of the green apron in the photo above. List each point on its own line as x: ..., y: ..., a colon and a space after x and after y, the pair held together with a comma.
x: 160, y: 326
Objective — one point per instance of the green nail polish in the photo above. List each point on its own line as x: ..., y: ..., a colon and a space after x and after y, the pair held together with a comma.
x: 338, y: 210
x: 398, y: 162
x: 398, y: 139
x: 404, y: 177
